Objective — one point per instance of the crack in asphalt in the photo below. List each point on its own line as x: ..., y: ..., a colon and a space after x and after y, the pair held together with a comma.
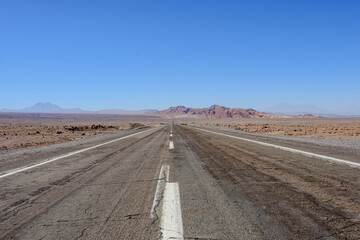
x: 81, y: 235
x: 8, y: 214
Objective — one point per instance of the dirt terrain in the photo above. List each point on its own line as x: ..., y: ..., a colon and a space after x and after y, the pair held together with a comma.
x: 342, y: 128
x: 29, y: 130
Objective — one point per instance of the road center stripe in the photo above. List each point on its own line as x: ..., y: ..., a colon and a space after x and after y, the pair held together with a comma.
x: 309, y: 154
x: 18, y: 170
x: 160, y: 187
x: 171, y: 219
x: 171, y: 145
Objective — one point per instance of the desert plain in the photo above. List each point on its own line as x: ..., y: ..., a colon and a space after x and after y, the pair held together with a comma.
x: 22, y: 130
x: 342, y: 128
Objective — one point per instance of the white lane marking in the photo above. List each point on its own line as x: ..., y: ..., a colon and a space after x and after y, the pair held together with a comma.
x: 167, y: 173
x: 171, y: 219
x: 171, y: 145
x: 309, y: 154
x: 160, y: 187
x: 17, y: 170
x: 171, y: 135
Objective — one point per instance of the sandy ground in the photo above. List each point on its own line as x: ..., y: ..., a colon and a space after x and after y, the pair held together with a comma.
x: 341, y: 128
x: 29, y: 130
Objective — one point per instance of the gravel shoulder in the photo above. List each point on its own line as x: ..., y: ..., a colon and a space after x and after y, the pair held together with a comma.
x: 345, y: 148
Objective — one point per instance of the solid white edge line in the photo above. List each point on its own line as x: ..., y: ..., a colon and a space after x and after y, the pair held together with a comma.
x: 309, y: 154
x: 160, y: 187
x: 14, y: 171
x: 171, y: 145
x: 171, y: 219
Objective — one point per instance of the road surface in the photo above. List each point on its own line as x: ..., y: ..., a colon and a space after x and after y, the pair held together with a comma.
x: 181, y: 182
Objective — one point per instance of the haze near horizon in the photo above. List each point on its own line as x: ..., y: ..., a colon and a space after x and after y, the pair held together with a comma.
x: 141, y: 55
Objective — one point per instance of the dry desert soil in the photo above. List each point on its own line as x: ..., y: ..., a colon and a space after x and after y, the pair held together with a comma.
x: 30, y: 130
x: 341, y: 128
x: 19, y: 130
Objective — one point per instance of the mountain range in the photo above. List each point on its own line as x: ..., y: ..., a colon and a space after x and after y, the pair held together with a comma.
x: 289, y: 109
x: 215, y: 111
x: 53, y: 108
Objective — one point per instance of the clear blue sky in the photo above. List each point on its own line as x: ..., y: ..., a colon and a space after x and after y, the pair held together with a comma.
x: 156, y: 54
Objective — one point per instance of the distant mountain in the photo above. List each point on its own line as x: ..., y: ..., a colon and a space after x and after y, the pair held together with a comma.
x: 289, y: 109
x: 121, y: 111
x: 285, y: 108
x: 49, y: 108
x: 52, y: 108
x: 44, y: 108
x: 7, y: 110
x: 216, y: 111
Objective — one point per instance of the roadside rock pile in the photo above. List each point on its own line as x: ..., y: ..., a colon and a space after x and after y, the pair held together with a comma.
x: 136, y: 125
x: 91, y: 128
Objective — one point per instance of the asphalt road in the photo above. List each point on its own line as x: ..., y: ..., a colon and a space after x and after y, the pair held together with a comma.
x: 180, y: 182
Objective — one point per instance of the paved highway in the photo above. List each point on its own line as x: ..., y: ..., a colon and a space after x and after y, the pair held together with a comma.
x: 181, y: 182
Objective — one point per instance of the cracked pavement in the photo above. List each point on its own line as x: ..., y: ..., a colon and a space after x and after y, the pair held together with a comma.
x: 229, y: 189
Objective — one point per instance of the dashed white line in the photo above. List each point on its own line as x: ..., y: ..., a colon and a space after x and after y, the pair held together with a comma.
x: 309, y: 154
x: 18, y: 170
x: 171, y: 145
x: 171, y: 219
x: 160, y: 187
x: 171, y: 135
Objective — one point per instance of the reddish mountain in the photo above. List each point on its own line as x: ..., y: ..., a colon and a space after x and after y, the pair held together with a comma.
x: 215, y: 111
